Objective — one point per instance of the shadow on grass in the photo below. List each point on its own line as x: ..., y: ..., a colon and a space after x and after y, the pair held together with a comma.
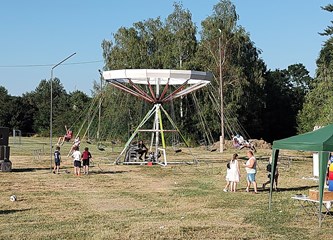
x: 107, y: 172
x: 288, y: 189
x: 3, y: 212
x: 28, y: 169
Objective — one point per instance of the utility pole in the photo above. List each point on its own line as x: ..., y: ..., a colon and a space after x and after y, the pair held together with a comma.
x: 99, y: 105
x: 221, y: 96
x: 51, y: 105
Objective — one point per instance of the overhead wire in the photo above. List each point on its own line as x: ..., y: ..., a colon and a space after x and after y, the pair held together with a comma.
x: 47, y: 65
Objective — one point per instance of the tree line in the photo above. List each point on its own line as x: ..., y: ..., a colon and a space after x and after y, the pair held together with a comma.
x: 269, y: 104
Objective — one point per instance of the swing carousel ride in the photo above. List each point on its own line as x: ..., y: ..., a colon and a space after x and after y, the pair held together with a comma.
x: 155, y: 86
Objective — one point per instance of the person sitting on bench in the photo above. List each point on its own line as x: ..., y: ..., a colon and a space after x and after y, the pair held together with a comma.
x: 142, y: 149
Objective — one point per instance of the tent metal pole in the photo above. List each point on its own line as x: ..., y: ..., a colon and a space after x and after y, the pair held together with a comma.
x: 323, y: 159
x: 275, y: 155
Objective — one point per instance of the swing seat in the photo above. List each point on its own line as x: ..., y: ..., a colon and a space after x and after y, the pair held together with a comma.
x: 178, y: 150
x: 213, y: 149
x: 203, y: 142
x: 101, y: 147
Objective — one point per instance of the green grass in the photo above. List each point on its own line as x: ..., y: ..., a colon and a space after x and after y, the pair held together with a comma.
x: 141, y: 202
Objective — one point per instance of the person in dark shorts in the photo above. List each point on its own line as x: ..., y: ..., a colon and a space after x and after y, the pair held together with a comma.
x: 86, y: 156
x: 57, y: 159
x: 77, y: 161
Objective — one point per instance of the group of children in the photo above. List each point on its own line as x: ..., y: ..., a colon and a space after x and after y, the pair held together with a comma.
x: 77, y: 157
x: 74, y: 153
x: 66, y: 138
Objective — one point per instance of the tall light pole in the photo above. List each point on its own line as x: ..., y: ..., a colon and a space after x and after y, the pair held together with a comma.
x: 51, y: 104
x: 221, y: 96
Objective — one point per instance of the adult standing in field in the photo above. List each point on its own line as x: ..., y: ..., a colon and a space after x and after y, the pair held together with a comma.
x: 57, y: 159
x: 86, y: 156
x: 234, y: 174
x: 251, y: 170
x: 76, y: 155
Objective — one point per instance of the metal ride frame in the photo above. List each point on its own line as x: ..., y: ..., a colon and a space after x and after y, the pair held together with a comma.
x: 129, y: 81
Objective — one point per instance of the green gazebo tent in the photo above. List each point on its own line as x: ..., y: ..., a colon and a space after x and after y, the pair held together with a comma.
x: 320, y: 141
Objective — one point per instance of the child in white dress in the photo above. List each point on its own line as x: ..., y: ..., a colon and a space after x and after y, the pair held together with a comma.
x: 234, y: 174
x: 226, y: 188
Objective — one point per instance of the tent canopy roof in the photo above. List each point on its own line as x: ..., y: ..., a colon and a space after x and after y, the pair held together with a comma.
x: 318, y: 140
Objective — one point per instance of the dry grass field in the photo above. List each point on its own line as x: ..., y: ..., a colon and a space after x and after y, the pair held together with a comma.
x: 180, y: 201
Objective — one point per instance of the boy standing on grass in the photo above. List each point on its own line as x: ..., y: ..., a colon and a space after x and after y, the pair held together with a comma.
x: 57, y: 159
x: 77, y: 161
x: 86, y: 156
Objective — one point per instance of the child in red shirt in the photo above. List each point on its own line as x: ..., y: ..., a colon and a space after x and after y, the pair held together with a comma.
x: 86, y: 156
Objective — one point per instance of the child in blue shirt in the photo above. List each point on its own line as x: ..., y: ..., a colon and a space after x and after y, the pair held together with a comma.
x: 57, y: 159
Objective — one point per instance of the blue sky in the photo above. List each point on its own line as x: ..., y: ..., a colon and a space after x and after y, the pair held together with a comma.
x: 41, y: 32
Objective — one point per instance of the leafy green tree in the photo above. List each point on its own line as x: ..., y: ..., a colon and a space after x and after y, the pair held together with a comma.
x: 136, y: 47
x: 148, y: 44
x: 285, y: 93
x: 4, y: 111
x: 317, y: 106
x: 183, y: 41
x: 317, y: 110
x: 21, y: 115
x: 15, y: 112
x: 40, y: 99
x: 242, y: 69
x: 300, y: 83
x: 73, y: 109
x: 329, y: 30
